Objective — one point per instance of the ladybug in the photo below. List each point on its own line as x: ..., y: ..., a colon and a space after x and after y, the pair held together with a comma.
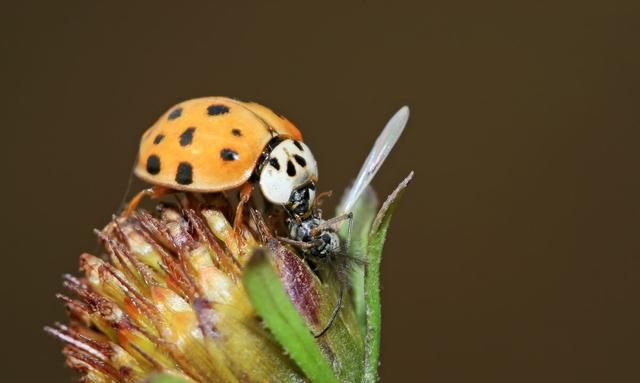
x: 215, y: 144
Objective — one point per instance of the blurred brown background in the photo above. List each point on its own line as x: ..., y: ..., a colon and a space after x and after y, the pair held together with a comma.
x: 514, y: 256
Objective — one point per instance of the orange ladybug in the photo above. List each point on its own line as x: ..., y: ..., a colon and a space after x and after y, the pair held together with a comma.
x: 214, y: 144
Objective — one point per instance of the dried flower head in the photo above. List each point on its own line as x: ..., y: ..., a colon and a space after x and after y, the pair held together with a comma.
x: 180, y: 293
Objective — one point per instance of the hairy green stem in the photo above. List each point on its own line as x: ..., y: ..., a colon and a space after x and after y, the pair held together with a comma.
x: 372, y: 281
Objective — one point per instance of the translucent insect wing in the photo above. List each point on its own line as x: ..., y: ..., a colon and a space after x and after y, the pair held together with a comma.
x: 381, y: 149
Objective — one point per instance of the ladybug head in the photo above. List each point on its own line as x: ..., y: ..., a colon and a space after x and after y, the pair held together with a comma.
x: 288, y: 176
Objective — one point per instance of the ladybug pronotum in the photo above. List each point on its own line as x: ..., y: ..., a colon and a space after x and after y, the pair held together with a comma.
x: 214, y: 144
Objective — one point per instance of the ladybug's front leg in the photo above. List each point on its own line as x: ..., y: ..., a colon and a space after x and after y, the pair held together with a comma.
x: 245, y: 194
x: 154, y: 192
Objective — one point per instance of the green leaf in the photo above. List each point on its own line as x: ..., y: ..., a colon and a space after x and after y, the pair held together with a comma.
x: 166, y: 378
x: 271, y: 302
x: 364, y: 211
x: 372, y: 281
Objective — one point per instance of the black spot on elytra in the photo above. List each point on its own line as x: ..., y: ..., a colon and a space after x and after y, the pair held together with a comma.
x: 184, y: 174
x: 236, y: 132
x: 274, y: 162
x: 228, y: 154
x: 298, y: 145
x: 291, y: 169
x: 217, y: 109
x: 301, y: 161
x: 158, y: 139
x: 187, y: 136
x: 153, y: 164
x: 177, y: 112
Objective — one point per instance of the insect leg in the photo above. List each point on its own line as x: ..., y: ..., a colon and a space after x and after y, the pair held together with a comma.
x: 123, y: 201
x: 341, y: 277
x: 330, y: 223
x: 300, y: 244
x: 349, y: 228
x: 320, y: 197
x: 155, y: 191
x: 245, y: 194
x: 334, y: 315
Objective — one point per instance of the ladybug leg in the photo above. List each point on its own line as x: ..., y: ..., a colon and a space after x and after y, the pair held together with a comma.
x: 245, y: 194
x: 153, y: 192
